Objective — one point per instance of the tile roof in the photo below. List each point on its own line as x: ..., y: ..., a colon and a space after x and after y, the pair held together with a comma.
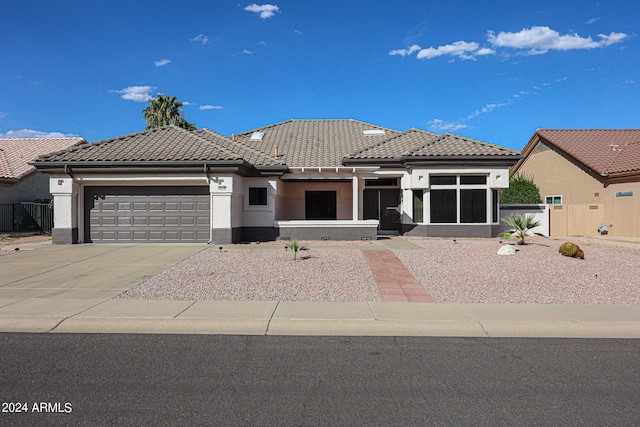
x: 315, y: 143
x: 16, y: 153
x: 605, y: 151
x: 169, y: 143
x: 419, y: 143
x: 247, y: 153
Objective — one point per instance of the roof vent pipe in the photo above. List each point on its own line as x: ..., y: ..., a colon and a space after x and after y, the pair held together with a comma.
x: 275, y: 150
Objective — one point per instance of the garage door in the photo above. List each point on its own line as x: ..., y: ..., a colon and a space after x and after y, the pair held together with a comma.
x: 147, y: 214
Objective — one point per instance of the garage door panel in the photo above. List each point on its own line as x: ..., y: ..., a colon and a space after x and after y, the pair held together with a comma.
x: 159, y: 214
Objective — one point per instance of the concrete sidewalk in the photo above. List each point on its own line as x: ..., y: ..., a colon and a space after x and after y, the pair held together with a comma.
x: 95, y: 315
x: 73, y: 289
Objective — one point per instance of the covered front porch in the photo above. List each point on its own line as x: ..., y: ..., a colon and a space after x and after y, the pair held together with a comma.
x: 332, y: 204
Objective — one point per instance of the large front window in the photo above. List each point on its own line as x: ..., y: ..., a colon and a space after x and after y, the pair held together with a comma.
x: 320, y: 204
x: 458, y: 199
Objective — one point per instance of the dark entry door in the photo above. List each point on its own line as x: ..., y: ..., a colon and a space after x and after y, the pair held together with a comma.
x: 383, y: 205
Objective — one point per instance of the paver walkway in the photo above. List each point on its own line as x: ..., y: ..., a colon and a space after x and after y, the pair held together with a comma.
x: 395, y: 282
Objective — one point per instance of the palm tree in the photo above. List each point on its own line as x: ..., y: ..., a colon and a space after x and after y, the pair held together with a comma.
x: 522, y: 225
x: 163, y: 111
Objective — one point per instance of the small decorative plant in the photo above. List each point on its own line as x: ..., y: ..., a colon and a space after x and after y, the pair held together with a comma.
x: 571, y: 250
x: 296, y: 247
x: 522, y: 226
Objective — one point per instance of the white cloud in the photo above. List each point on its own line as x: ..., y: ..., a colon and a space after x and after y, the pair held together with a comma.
x: 136, y: 93
x: 162, y: 62
x: 265, y: 10
x: 3, y: 114
x: 592, y: 21
x: 211, y: 107
x: 438, y: 124
x: 405, y: 52
x: 201, y: 38
x: 298, y: 32
x: 459, y: 49
x: 629, y: 81
x: 539, y: 40
x: 562, y: 79
x: 29, y: 133
x: 248, y: 52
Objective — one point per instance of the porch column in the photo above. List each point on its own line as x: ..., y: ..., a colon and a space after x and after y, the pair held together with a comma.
x: 65, y: 212
x: 355, y: 187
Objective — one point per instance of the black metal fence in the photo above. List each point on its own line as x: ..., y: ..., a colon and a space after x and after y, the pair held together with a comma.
x: 26, y: 216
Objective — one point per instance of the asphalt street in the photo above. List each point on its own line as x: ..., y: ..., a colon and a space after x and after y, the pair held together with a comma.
x: 111, y: 379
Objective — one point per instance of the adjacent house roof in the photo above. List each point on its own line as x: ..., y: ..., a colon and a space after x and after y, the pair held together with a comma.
x: 16, y: 153
x: 607, y: 152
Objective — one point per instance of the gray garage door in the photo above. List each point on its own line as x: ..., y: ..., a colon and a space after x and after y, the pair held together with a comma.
x: 147, y: 214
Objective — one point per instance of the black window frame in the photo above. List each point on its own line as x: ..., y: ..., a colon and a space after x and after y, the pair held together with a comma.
x: 321, y: 205
x: 262, y: 195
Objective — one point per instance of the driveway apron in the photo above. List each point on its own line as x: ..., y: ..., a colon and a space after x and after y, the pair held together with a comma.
x: 86, y: 271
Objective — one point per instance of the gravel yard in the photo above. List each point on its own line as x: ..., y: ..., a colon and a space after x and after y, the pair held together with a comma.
x: 468, y: 271
x: 471, y: 271
x: 264, y: 274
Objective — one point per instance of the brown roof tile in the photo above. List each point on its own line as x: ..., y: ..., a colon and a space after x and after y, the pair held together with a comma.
x: 315, y: 143
x: 419, y: 143
x: 169, y: 143
x: 16, y: 153
x: 605, y: 151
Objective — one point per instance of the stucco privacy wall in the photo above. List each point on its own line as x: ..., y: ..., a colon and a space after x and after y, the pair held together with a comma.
x: 28, y: 189
x: 556, y: 175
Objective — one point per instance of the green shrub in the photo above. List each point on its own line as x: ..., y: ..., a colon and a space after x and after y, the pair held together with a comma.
x: 522, y: 190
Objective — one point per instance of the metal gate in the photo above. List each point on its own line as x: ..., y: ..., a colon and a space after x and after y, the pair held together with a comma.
x: 26, y: 216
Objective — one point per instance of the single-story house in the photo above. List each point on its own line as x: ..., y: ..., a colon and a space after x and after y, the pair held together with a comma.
x: 19, y: 181
x: 591, y: 177
x: 297, y: 179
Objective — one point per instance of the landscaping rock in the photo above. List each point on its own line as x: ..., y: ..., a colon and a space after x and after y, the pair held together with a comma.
x: 507, y: 250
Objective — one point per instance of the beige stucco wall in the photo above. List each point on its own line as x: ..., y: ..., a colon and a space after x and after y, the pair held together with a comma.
x: 292, y: 202
x: 557, y: 176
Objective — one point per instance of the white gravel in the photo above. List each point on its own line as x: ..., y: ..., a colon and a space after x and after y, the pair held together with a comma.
x: 264, y: 274
x: 468, y: 271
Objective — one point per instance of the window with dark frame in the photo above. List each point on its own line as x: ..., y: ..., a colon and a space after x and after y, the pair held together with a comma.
x: 320, y: 205
x: 258, y: 196
x: 418, y: 204
x: 453, y: 199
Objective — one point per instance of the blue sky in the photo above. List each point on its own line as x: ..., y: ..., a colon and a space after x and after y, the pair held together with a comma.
x: 489, y: 70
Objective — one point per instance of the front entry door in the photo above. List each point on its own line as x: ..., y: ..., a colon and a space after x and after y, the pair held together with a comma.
x: 383, y: 205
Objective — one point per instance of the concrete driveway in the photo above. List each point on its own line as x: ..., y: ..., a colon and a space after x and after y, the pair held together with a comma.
x: 90, y: 271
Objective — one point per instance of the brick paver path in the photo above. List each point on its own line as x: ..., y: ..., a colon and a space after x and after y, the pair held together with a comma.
x: 395, y: 282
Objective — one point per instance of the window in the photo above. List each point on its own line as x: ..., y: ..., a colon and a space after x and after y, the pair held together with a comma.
x: 320, y: 204
x: 495, y: 198
x: 624, y: 193
x: 382, y: 182
x: 444, y: 207
x: 473, y: 206
x: 553, y: 200
x: 473, y: 179
x: 443, y: 180
x: 461, y: 199
x: 258, y: 196
x: 418, y: 197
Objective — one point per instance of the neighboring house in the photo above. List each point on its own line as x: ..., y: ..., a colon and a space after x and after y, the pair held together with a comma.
x: 590, y: 176
x: 305, y: 179
x: 19, y: 181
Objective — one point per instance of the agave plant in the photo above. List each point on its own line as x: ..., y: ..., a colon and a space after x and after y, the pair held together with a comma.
x: 295, y: 248
x: 522, y: 226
